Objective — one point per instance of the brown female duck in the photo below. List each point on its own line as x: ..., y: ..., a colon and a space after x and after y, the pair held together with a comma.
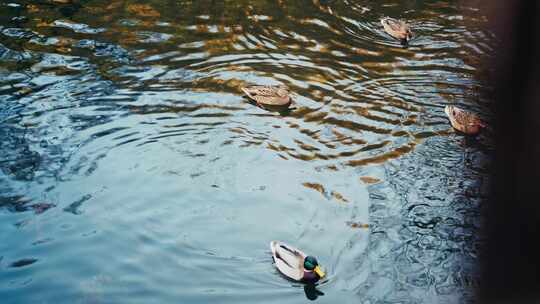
x: 277, y: 96
x: 464, y: 121
x: 397, y: 29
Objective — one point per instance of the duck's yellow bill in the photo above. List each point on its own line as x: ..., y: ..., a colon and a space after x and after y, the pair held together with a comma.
x: 319, y: 271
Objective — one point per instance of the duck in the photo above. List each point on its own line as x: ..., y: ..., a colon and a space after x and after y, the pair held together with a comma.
x: 463, y: 121
x: 295, y: 264
x: 398, y: 29
x: 269, y: 95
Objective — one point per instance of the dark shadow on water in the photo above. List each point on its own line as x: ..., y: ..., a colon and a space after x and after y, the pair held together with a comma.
x: 282, y: 110
x: 23, y: 262
x: 312, y: 293
x: 510, y: 260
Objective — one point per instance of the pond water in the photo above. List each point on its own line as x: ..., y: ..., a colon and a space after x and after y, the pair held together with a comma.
x: 132, y: 169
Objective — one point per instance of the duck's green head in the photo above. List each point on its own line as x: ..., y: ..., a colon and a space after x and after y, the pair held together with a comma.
x: 310, y: 263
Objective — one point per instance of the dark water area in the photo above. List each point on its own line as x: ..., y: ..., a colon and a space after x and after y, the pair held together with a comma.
x: 132, y: 170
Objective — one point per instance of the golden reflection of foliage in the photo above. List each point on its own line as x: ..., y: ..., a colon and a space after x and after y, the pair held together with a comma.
x: 294, y: 46
x: 326, y: 9
x: 115, y: 4
x: 379, y: 159
x: 235, y: 83
x: 369, y: 180
x: 32, y: 8
x: 361, y: 111
x: 217, y: 84
x: 42, y: 23
x: 317, y: 187
x: 339, y: 197
x: 365, y: 52
x: 329, y: 167
x: 340, y: 110
x: 128, y: 37
x: 320, y: 188
x: 356, y: 50
x: 63, y: 45
x: 339, y: 136
x: 216, y: 46
x: 143, y: 10
x: 317, y: 78
x: 315, y: 116
x: 94, y: 10
x: 106, y: 13
x: 357, y: 224
x: 317, y: 94
x: 317, y: 22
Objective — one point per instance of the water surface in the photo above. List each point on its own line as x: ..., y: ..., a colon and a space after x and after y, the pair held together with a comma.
x: 133, y: 170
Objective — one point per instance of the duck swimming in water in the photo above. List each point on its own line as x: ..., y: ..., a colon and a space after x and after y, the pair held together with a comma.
x: 295, y: 264
x: 265, y: 95
x: 464, y: 121
x: 397, y: 29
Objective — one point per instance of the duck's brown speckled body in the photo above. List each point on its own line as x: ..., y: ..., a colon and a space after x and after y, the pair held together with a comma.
x: 463, y: 121
x: 397, y: 29
x: 269, y: 95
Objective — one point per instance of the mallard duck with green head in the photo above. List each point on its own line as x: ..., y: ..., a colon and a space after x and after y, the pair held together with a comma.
x: 295, y: 264
x: 398, y: 29
x: 269, y: 95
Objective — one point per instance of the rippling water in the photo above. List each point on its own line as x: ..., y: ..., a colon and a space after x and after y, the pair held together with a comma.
x: 133, y: 170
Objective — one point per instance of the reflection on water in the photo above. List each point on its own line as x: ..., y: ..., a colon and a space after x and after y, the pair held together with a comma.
x: 312, y: 293
x: 132, y: 168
